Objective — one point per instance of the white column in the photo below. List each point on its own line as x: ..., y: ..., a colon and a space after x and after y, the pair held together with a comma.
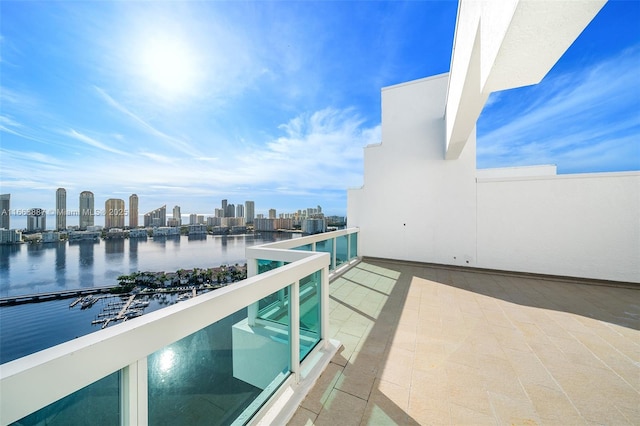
x: 252, y: 309
x: 135, y: 396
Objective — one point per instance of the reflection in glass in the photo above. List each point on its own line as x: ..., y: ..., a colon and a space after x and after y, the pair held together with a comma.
x: 96, y: 404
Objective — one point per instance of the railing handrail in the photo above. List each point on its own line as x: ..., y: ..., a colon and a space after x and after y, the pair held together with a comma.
x: 309, y: 239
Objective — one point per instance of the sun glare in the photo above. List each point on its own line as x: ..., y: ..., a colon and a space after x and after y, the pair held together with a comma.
x: 169, y: 66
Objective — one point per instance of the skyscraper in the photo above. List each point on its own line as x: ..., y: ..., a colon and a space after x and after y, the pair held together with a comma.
x: 114, y: 213
x: 36, y: 220
x: 5, y: 211
x: 176, y: 215
x: 87, y: 209
x: 133, y: 211
x: 239, y: 210
x: 157, y: 217
x: 249, y: 211
x: 61, y: 209
x: 272, y: 213
x: 231, y: 211
x: 224, y: 208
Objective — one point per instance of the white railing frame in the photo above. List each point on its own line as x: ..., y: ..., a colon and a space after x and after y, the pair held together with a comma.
x: 37, y: 380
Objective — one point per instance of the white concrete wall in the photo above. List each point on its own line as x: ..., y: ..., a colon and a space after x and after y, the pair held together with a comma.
x: 584, y: 225
x: 414, y: 205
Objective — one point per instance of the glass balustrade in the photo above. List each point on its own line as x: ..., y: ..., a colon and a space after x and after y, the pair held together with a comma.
x: 96, y: 404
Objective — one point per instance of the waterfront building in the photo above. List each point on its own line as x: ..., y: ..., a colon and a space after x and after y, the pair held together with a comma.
x: 314, y: 225
x: 36, y: 220
x: 165, y: 231
x: 239, y: 210
x: 84, y: 235
x: 5, y: 211
x: 193, y: 219
x: 50, y: 237
x: 61, y: 209
x: 138, y: 233
x: 10, y: 236
x: 87, y: 209
x: 224, y: 208
x: 264, y: 224
x: 157, y: 217
x: 272, y: 213
x: 231, y: 221
x: 214, y: 221
x: 177, y: 216
x: 200, y: 220
x: 249, y: 212
x: 133, y: 211
x: 197, y: 229
x: 114, y: 213
x: 173, y: 222
x: 218, y: 213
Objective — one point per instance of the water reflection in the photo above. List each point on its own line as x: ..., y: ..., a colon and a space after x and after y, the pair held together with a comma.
x: 86, y: 262
x: 114, y: 246
x: 61, y: 263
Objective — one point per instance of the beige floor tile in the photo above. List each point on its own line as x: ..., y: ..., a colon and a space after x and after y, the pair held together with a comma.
x: 303, y: 417
x: 341, y: 409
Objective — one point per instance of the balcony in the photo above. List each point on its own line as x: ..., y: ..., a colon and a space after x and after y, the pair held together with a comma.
x: 242, y: 354
x: 427, y: 344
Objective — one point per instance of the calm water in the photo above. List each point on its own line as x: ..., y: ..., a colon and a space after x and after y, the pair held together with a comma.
x: 27, y: 268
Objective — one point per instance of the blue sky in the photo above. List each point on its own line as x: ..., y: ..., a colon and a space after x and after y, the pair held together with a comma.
x: 190, y: 102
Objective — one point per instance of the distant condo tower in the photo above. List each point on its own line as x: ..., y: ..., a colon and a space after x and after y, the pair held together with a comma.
x: 114, y: 213
x: 176, y: 215
x: 239, y: 210
x: 133, y: 211
x: 87, y: 209
x: 157, y: 217
x: 249, y: 211
x: 36, y: 220
x: 224, y: 208
x: 61, y: 209
x: 5, y: 210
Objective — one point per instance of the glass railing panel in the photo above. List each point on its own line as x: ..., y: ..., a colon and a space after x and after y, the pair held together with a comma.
x: 268, y: 265
x: 341, y: 250
x: 215, y: 375
x: 309, y: 313
x: 98, y: 403
x: 306, y: 247
x: 275, y: 307
x: 326, y: 246
x: 353, y: 251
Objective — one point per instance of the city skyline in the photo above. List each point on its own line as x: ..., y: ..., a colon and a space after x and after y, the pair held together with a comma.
x: 189, y: 102
x: 117, y: 213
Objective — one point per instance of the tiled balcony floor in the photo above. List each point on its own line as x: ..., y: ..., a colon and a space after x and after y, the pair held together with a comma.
x: 426, y: 345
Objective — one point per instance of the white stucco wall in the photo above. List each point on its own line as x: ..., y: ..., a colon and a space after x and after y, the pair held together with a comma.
x: 414, y: 205
x: 417, y: 206
x: 585, y: 225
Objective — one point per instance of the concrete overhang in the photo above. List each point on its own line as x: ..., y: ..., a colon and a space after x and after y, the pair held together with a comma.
x: 503, y: 45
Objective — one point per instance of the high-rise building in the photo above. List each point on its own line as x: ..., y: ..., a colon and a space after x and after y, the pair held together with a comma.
x: 224, y: 208
x: 272, y: 213
x: 240, y: 211
x: 193, y: 219
x: 5, y: 211
x: 87, y: 209
x: 157, y: 217
x: 61, y: 209
x: 249, y: 211
x: 133, y: 211
x: 176, y: 215
x: 36, y: 220
x: 114, y: 213
x: 231, y: 211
